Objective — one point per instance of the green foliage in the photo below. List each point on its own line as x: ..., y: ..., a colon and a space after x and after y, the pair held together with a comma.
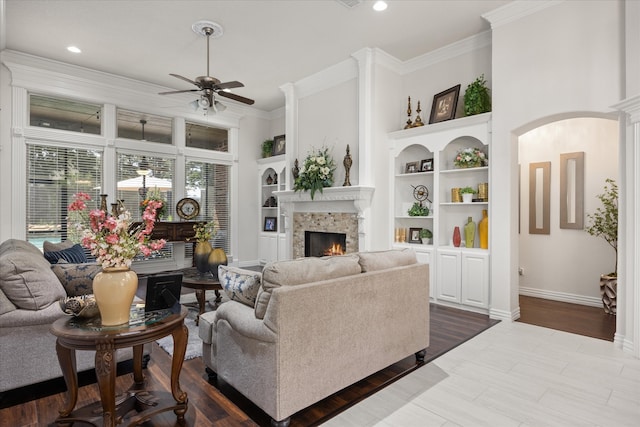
x: 468, y: 190
x: 316, y: 172
x: 604, y: 222
x: 418, y: 210
x: 425, y: 233
x: 477, y: 98
x: 267, y: 148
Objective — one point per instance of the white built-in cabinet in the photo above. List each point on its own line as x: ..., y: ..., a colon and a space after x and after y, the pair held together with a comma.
x: 458, y: 276
x: 272, y: 175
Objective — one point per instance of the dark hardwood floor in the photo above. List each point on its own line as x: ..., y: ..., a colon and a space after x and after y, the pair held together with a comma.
x: 220, y: 405
x: 577, y: 319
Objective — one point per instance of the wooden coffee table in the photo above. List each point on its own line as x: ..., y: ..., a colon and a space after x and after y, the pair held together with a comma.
x: 201, y: 282
x: 81, y: 334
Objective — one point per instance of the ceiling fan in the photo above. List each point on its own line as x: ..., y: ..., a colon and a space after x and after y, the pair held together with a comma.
x: 207, y: 85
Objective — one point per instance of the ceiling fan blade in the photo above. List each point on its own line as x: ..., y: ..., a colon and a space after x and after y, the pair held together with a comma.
x: 228, y: 85
x: 236, y: 97
x: 178, y: 91
x: 184, y: 78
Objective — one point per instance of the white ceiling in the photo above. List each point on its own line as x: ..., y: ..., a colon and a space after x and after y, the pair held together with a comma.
x: 265, y: 43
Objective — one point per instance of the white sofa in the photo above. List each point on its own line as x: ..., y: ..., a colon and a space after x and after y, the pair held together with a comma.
x: 317, y: 326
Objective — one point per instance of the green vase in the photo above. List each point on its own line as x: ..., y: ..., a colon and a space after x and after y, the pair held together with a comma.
x: 469, y: 233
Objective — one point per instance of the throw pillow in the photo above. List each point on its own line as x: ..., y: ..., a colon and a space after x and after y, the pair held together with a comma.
x: 74, y: 254
x: 239, y: 284
x: 374, y: 261
x: 77, y: 279
x: 48, y: 246
x: 26, y: 277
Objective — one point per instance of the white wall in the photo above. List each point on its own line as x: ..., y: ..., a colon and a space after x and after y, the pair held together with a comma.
x: 567, y: 263
x: 558, y: 61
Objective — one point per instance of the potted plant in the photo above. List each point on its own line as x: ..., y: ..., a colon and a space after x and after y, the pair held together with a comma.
x: 418, y: 210
x: 425, y: 236
x: 604, y: 223
x: 267, y: 148
x: 477, y: 99
x: 467, y: 194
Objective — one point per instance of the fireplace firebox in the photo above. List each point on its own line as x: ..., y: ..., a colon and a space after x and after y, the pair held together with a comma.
x: 319, y: 243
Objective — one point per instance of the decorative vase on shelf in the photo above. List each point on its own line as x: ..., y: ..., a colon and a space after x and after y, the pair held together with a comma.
x: 469, y: 233
x: 269, y: 180
x: 114, y: 289
x: 216, y: 259
x: 483, y: 230
x: 456, y: 237
x: 201, y: 256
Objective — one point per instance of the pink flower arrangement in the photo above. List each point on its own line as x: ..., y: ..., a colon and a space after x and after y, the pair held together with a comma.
x: 111, y: 239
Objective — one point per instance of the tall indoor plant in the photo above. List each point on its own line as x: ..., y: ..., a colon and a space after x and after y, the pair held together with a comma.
x: 604, y: 223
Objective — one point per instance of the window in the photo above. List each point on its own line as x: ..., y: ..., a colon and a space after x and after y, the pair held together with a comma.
x: 56, y: 113
x: 208, y: 183
x: 144, y: 127
x: 54, y: 175
x: 207, y: 137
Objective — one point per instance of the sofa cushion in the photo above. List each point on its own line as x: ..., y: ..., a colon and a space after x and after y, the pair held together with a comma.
x: 26, y: 277
x: 5, y: 305
x: 48, y: 246
x: 239, y: 284
x: 74, y: 254
x: 77, y: 279
x: 382, y: 260
x: 303, y: 270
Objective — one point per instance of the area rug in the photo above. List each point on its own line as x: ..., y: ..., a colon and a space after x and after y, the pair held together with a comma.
x: 194, y: 345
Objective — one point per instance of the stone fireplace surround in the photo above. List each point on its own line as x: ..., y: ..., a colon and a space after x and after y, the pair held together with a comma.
x: 336, y: 210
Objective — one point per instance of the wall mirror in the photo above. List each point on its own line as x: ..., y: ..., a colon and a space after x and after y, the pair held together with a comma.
x: 572, y: 190
x: 539, y: 191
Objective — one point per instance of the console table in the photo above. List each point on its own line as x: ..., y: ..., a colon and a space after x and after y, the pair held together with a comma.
x: 88, y: 334
x: 172, y: 231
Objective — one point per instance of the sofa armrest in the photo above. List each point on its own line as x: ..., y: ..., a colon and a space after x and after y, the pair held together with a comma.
x: 241, y: 318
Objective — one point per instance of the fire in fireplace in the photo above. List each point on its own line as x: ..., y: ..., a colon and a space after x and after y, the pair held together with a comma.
x: 319, y: 243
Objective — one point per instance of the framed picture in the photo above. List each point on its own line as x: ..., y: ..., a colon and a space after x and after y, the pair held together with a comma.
x: 270, y: 223
x: 426, y: 165
x: 444, y: 105
x: 414, y: 235
x: 279, y: 145
x: 412, y: 167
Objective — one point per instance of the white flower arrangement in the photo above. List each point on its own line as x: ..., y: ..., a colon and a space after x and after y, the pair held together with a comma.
x: 316, y: 172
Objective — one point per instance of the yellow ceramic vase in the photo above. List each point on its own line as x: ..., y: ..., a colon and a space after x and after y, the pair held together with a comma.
x: 483, y: 230
x: 201, y: 256
x: 216, y: 259
x: 114, y: 289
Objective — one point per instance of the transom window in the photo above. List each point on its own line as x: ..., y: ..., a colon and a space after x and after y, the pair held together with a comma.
x: 64, y: 114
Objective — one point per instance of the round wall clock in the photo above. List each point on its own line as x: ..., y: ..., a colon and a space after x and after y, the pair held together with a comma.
x: 188, y: 208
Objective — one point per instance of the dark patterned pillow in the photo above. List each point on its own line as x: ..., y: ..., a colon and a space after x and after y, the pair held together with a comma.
x: 77, y: 279
x: 74, y: 254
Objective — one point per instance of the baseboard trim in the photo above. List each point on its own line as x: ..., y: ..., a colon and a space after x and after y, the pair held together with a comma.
x: 561, y: 296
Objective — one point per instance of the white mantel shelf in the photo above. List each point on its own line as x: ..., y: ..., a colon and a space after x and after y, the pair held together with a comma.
x: 329, y: 194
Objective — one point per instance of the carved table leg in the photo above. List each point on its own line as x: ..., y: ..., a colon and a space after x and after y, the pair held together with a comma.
x: 106, y: 373
x: 138, y: 377
x: 180, y: 338
x: 67, y: 360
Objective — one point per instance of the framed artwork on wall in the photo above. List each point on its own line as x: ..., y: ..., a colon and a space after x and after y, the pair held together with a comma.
x: 279, y: 145
x: 444, y: 105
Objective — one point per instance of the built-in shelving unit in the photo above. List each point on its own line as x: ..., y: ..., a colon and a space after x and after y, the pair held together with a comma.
x: 459, y: 276
x: 272, y: 173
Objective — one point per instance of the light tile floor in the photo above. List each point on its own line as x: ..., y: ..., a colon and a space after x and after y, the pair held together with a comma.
x: 513, y: 374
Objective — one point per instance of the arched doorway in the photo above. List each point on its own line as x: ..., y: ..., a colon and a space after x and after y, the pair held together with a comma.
x: 560, y: 261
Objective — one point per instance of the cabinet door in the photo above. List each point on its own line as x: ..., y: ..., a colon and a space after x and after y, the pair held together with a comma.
x: 475, y: 280
x: 448, y: 275
x: 425, y: 258
x: 268, y: 247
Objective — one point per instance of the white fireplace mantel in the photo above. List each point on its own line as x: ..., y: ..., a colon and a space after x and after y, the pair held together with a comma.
x: 360, y: 196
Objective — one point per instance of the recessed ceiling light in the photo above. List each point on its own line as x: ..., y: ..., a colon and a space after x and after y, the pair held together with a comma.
x: 380, y: 6
x: 74, y: 49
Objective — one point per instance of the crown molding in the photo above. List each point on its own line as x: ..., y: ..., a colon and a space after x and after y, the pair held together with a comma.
x: 517, y: 10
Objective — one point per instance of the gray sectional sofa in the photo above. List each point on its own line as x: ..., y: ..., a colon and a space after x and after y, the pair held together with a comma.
x: 29, y: 294
x: 311, y: 327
